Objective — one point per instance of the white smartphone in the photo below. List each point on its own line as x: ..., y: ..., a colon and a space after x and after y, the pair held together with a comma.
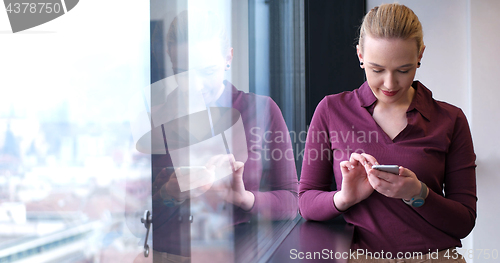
x: 394, y: 169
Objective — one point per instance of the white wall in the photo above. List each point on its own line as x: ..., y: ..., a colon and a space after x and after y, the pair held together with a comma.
x: 485, y: 42
x: 460, y: 66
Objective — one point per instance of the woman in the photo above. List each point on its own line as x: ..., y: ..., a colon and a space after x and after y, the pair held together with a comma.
x: 391, y: 119
x: 258, y: 187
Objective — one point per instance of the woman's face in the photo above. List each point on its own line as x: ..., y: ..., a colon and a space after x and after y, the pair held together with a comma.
x: 200, y: 67
x: 390, y: 66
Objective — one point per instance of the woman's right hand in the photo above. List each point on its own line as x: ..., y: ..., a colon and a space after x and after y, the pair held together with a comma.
x: 199, y: 177
x: 355, y: 185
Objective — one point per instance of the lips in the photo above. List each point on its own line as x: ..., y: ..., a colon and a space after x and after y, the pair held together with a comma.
x: 390, y: 93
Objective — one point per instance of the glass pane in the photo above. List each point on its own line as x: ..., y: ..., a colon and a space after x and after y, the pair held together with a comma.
x: 223, y: 161
x: 73, y: 187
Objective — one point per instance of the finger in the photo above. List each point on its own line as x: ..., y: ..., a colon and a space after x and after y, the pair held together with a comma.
x: 210, y: 167
x: 238, y: 170
x: 356, y: 157
x: 211, y: 161
x: 405, y: 172
x: 388, y: 177
x: 218, y: 161
x: 238, y: 165
x: 378, y: 184
x: 231, y: 158
x: 177, y: 172
x: 207, y: 186
x: 223, y: 160
x: 346, y: 165
x: 373, y: 180
x: 214, y: 160
x: 370, y: 159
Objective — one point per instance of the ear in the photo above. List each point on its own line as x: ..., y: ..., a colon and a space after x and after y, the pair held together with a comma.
x: 421, y: 54
x: 360, y: 55
x: 229, y: 58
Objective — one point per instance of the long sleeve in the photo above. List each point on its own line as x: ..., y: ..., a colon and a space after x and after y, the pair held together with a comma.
x: 315, y: 193
x: 455, y: 212
x: 269, y: 141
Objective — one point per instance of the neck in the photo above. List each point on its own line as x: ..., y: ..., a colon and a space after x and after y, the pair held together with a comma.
x: 213, y: 101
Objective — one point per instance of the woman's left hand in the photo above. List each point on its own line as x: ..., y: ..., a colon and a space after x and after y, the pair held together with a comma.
x: 402, y: 186
x: 237, y: 194
x: 233, y: 188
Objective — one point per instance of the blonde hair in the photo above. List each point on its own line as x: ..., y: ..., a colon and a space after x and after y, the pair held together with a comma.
x: 203, y: 25
x: 392, y: 21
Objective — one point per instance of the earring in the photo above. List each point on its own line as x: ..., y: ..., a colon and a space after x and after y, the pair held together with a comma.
x: 418, y: 63
x: 361, y: 64
x: 228, y: 66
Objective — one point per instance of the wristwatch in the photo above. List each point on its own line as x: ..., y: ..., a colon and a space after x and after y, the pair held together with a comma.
x: 418, y: 200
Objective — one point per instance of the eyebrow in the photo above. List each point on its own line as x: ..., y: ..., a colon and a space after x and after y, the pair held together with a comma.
x: 380, y: 66
x: 210, y: 67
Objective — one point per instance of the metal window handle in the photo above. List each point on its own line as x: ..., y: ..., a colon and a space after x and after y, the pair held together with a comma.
x: 146, y: 220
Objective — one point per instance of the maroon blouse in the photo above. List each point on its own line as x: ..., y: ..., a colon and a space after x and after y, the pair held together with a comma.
x: 436, y: 145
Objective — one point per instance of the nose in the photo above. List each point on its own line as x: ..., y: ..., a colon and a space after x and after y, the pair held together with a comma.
x: 189, y: 82
x: 195, y: 82
x: 390, y: 81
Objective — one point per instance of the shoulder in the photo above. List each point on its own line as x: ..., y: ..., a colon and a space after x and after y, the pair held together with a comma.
x: 346, y: 97
x: 453, y: 114
x: 338, y: 110
x: 247, y: 101
x: 451, y: 121
x: 339, y: 103
x: 443, y: 116
x: 448, y: 109
x: 258, y: 110
x: 435, y: 109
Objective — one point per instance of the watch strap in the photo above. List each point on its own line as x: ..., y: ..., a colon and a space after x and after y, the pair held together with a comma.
x: 420, y: 197
x: 168, y: 200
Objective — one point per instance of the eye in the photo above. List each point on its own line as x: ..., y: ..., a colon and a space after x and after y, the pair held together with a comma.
x: 208, y: 71
x: 403, y: 71
x: 377, y: 71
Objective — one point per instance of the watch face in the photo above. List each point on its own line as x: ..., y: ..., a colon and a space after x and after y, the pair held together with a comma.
x: 168, y: 203
x: 418, y: 202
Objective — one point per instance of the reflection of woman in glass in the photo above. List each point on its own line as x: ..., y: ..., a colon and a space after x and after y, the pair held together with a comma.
x: 263, y: 184
x: 430, y: 204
